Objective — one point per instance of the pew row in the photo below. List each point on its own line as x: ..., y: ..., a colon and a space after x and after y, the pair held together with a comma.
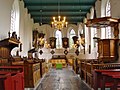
x: 106, y: 79
x: 11, y: 77
x: 87, y: 68
x: 33, y: 70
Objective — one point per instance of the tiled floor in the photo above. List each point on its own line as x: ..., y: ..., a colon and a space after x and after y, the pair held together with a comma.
x: 64, y: 79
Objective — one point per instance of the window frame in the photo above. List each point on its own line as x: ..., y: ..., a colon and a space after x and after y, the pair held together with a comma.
x: 70, y: 38
x: 58, y: 42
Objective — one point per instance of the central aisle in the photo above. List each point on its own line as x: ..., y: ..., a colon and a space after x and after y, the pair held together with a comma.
x: 62, y: 79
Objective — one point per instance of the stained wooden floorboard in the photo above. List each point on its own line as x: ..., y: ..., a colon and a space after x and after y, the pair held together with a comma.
x: 62, y: 79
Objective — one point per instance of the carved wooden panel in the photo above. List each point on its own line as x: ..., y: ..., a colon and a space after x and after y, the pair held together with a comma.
x: 52, y: 42
x: 65, y: 42
x: 4, y: 52
x: 108, y: 50
x: 6, y: 46
x: 31, y: 73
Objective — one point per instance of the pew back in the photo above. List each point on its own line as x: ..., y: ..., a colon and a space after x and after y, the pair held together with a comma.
x: 88, y: 66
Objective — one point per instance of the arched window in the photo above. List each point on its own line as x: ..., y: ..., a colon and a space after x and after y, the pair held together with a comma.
x: 15, y: 22
x: 12, y: 29
x: 107, y: 32
x: 108, y: 13
x: 108, y: 10
x: 71, y: 34
x: 58, y: 35
x: 15, y: 17
x: 80, y: 33
x: 93, y: 30
x: 92, y: 14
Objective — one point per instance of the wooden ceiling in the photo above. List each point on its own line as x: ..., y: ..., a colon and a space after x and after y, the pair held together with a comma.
x: 42, y: 11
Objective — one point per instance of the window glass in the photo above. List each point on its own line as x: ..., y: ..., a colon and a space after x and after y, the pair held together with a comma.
x: 15, y: 17
x: 58, y: 36
x: 108, y: 13
x: 71, y: 34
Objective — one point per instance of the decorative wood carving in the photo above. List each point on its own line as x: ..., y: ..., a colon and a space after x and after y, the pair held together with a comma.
x: 75, y: 39
x: 77, y: 52
x: 35, y: 36
x: 65, y: 52
x: 108, y: 50
x: 104, y: 22
x: 41, y: 40
x: 52, y: 42
x: 9, y: 43
x: 76, y: 42
x: 6, y: 46
x: 38, y: 39
x: 65, y: 42
x: 101, y: 22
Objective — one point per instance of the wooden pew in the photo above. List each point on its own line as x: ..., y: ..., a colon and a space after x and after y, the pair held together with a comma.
x: 85, y: 67
x: 17, y: 72
x: 88, y: 66
x: 20, y: 74
x: 42, y: 67
x: 5, y: 80
x: 106, y: 66
x: 114, y: 76
x: 31, y: 73
x: 106, y: 79
x: 11, y: 80
x: 12, y: 68
x: 116, y: 82
x: 83, y: 70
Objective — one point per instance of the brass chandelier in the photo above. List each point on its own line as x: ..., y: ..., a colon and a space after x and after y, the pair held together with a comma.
x: 60, y: 22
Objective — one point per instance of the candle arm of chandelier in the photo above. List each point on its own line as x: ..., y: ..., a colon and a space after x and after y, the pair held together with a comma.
x: 59, y: 24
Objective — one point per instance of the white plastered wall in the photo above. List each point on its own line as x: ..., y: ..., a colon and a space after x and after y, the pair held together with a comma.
x: 5, y: 16
x: 26, y: 26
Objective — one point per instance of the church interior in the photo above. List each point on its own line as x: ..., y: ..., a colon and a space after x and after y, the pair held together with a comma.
x: 59, y: 45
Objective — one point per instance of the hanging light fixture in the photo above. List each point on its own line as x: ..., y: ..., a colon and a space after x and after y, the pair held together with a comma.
x: 60, y: 22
